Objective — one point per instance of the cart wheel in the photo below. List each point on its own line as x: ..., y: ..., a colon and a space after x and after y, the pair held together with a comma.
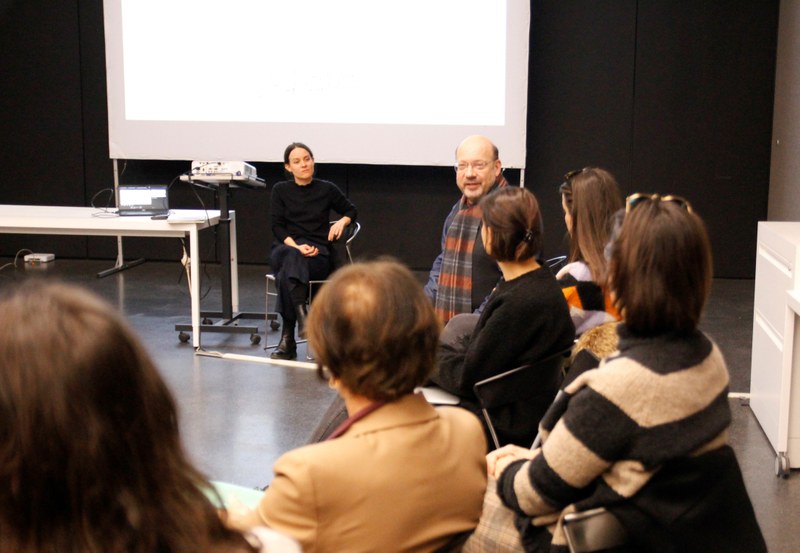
x: 183, y: 337
x: 207, y: 321
x: 782, y: 466
x: 255, y: 339
x: 274, y: 325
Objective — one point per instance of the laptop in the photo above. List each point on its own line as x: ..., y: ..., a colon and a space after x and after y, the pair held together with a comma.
x: 143, y: 199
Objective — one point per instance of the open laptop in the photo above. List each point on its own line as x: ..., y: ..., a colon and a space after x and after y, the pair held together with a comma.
x: 143, y: 199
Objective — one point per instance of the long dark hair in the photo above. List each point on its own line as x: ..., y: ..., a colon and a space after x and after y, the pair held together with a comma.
x: 592, y: 197
x: 90, y: 453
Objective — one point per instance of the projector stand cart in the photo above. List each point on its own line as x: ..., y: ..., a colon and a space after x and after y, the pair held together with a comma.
x: 229, y: 321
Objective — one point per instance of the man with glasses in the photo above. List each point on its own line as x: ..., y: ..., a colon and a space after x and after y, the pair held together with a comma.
x: 463, y: 275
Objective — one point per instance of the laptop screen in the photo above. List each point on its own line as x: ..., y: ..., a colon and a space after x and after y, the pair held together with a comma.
x: 143, y: 199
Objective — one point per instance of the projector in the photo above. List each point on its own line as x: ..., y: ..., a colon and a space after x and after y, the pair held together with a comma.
x: 213, y: 168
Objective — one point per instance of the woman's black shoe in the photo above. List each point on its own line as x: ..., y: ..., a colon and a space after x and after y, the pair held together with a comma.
x: 287, y: 347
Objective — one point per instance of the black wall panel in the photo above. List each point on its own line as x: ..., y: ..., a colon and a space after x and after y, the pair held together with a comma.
x: 703, y: 115
x: 580, y: 97
x: 41, y: 131
x: 670, y: 95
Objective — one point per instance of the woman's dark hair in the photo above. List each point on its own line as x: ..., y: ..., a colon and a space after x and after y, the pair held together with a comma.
x: 592, y: 197
x: 294, y: 145
x: 661, y: 269
x: 90, y: 454
x: 373, y: 328
x: 512, y: 214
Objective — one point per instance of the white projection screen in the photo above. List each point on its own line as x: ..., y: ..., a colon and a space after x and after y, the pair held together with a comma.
x: 361, y: 81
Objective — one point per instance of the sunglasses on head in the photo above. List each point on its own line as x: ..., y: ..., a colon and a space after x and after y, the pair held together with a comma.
x: 568, y: 177
x: 635, y: 199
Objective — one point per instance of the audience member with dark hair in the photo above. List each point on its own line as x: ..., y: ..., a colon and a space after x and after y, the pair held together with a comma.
x: 525, y: 319
x: 397, y: 474
x: 589, y: 197
x: 646, y: 432
x: 90, y: 454
x: 302, y: 250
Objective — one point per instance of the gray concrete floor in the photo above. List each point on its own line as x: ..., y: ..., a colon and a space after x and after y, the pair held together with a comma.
x: 237, y: 417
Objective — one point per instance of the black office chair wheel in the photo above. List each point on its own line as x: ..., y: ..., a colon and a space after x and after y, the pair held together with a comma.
x: 255, y: 339
x: 274, y: 325
x: 183, y: 337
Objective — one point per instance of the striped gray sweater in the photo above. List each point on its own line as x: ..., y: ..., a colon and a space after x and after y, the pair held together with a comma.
x: 656, y: 400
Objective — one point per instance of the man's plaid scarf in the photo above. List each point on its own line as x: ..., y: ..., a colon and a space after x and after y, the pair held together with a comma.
x: 454, y: 294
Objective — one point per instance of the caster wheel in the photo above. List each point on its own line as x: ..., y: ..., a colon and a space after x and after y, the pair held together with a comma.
x: 183, y: 337
x: 255, y: 339
x: 782, y: 466
x: 207, y: 321
x: 274, y: 325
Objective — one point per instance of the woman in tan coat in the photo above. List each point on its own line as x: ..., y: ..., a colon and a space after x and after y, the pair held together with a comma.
x: 397, y: 475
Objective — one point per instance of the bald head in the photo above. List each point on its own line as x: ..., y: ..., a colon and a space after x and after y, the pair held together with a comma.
x: 477, y: 167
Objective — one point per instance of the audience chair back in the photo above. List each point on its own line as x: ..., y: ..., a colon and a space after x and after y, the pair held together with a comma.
x: 691, y: 504
x: 555, y: 263
x: 593, y: 530
x: 536, y: 383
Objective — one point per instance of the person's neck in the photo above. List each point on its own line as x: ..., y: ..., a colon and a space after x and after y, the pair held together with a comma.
x: 515, y: 269
x: 303, y: 182
x: 354, y: 402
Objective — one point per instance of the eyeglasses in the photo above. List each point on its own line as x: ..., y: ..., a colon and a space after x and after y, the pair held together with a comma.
x: 635, y: 199
x: 479, y: 165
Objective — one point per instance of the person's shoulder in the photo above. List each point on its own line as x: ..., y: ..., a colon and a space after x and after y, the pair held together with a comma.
x: 281, y: 186
x: 464, y: 426
x: 458, y: 417
x: 324, y: 183
x: 577, y: 269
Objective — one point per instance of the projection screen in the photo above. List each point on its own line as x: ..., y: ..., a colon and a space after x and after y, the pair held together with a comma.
x: 360, y: 81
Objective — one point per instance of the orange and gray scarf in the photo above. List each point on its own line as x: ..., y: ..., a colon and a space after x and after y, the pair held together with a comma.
x: 454, y: 293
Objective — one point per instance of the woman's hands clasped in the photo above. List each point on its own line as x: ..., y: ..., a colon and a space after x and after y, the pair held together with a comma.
x: 308, y: 250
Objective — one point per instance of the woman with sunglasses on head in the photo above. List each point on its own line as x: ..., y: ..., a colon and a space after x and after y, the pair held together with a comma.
x: 90, y: 453
x: 646, y: 432
x: 303, y: 250
x: 589, y: 198
x: 524, y: 320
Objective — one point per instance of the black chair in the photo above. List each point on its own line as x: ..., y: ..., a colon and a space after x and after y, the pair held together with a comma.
x: 594, y: 530
x: 692, y: 504
x: 536, y: 384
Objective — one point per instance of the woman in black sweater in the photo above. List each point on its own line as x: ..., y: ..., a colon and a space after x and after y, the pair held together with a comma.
x: 303, y: 235
x: 525, y: 319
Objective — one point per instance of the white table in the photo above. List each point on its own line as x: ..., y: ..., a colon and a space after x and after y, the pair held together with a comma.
x: 89, y: 221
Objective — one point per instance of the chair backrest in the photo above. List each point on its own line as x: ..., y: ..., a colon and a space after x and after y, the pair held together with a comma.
x: 556, y: 263
x: 593, y: 530
x: 527, y: 381
x: 536, y: 383
x: 349, y: 237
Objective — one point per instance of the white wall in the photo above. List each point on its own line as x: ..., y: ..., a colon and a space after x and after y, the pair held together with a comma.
x: 784, y: 181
